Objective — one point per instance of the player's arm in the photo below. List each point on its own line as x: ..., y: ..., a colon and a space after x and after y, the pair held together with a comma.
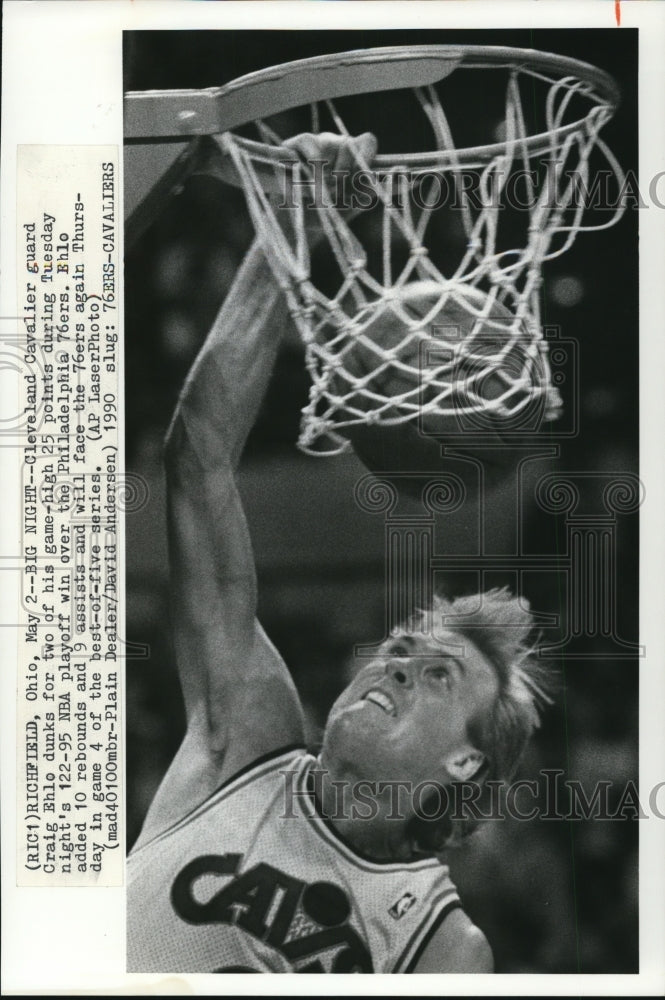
x: 239, y: 698
x: 457, y: 946
x: 225, y: 660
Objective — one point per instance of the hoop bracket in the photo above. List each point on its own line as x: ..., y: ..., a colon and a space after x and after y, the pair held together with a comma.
x: 173, y: 114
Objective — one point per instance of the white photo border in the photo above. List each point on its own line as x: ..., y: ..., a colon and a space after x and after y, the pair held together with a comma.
x: 62, y: 83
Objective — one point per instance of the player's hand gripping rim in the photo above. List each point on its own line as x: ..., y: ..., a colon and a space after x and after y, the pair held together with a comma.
x: 340, y: 155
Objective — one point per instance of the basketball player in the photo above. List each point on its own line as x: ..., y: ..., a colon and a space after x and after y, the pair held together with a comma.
x: 246, y: 862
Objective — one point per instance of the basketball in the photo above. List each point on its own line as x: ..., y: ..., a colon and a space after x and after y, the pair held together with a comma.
x: 479, y: 345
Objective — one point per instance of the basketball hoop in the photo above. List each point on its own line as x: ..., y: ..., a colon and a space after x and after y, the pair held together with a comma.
x: 500, y: 246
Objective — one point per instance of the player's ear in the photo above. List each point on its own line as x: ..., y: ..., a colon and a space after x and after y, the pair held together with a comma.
x: 465, y: 763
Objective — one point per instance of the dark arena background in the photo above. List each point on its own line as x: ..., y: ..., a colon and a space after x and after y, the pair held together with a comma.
x: 552, y: 897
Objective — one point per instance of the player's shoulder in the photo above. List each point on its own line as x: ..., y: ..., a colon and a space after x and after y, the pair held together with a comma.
x: 457, y: 946
x: 190, y: 789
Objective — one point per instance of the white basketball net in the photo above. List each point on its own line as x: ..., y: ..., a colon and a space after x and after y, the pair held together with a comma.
x: 494, y: 283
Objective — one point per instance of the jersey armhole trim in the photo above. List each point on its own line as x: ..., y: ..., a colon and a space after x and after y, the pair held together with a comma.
x: 243, y: 772
x: 450, y: 902
x: 263, y: 759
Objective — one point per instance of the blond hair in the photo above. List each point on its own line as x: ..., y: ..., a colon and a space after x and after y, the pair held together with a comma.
x: 500, y: 626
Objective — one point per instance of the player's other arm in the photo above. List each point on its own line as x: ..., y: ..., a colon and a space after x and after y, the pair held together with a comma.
x: 235, y: 684
x: 457, y: 946
x: 238, y: 693
x: 239, y: 698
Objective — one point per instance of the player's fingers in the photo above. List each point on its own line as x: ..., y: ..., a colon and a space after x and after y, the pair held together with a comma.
x: 367, y: 146
x: 317, y: 146
x: 306, y: 144
x: 340, y: 152
x: 355, y: 151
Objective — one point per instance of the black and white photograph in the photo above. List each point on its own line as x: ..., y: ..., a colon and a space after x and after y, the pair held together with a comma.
x: 331, y: 546
x: 381, y: 383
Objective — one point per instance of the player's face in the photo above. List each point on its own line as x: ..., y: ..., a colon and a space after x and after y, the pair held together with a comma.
x: 407, y: 712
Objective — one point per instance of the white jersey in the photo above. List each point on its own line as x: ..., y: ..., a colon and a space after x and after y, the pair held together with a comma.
x: 256, y: 880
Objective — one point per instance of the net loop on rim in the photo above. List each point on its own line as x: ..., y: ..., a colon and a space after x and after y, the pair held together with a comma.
x: 399, y: 282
